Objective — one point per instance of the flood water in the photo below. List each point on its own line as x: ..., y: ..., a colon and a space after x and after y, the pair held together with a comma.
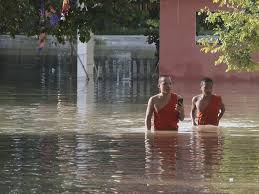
x: 60, y: 136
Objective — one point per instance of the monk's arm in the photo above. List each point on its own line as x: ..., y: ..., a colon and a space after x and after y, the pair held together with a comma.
x: 222, y: 110
x: 149, y: 113
x: 180, y: 109
x: 181, y: 114
x: 193, y: 111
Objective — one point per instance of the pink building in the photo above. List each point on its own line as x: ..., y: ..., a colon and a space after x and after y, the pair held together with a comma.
x: 179, y: 54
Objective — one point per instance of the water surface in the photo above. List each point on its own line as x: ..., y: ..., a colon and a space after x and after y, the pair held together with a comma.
x: 62, y: 136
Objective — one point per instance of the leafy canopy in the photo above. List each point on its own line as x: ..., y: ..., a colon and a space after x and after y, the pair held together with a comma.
x: 237, y: 33
x: 96, y: 16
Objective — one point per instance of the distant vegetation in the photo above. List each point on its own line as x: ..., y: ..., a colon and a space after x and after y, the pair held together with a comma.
x: 89, y: 16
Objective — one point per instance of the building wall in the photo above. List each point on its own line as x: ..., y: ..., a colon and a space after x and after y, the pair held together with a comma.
x: 179, y: 54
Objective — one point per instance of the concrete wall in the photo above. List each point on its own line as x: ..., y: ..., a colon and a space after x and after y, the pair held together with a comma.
x: 28, y: 46
x: 123, y: 58
x: 21, y: 55
x: 179, y: 54
x: 109, y: 57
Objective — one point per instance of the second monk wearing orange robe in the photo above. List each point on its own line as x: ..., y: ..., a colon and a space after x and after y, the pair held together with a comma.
x: 208, y: 107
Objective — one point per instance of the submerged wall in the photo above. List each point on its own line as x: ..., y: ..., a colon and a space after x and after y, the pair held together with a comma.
x: 108, y: 57
x: 179, y: 54
x: 124, y: 58
x: 21, y: 56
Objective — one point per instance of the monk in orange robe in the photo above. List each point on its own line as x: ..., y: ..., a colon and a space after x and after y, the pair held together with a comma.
x: 207, y: 107
x: 165, y: 107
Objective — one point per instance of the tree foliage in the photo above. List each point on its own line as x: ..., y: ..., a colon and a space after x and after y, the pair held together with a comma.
x: 18, y: 17
x: 96, y: 16
x: 237, y: 35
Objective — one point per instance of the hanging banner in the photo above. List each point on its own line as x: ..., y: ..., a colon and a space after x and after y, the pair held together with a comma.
x: 65, y: 7
x: 52, y: 16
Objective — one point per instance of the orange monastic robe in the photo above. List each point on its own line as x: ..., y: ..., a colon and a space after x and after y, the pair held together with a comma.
x: 209, y: 116
x: 167, y: 117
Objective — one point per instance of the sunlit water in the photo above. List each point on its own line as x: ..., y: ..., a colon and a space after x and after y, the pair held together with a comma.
x: 60, y: 136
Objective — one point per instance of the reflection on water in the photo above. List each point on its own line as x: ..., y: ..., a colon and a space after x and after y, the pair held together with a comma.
x: 124, y: 91
x: 127, y: 162
x: 58, y: 135
x: 179, y: 159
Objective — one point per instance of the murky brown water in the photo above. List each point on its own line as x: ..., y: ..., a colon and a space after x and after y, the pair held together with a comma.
x: 59, y: 136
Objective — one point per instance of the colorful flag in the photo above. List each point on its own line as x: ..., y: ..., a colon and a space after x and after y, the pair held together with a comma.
x: 42, y: 40
x: 52, y: 15
x: 54, y: 19
x: 65, y: 7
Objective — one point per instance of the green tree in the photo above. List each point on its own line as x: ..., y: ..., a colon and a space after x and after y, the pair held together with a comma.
x: 237, y: 35
x: 97, y: 16
x: 88, y: 16
x: 20, y: 16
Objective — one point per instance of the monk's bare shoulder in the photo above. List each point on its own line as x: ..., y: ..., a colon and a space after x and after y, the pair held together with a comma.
x: 196, y: 98
x: 154, y: 98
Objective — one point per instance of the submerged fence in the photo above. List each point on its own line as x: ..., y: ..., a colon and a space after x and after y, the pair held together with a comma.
x: 124, y: 58
x: 124, y: 69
